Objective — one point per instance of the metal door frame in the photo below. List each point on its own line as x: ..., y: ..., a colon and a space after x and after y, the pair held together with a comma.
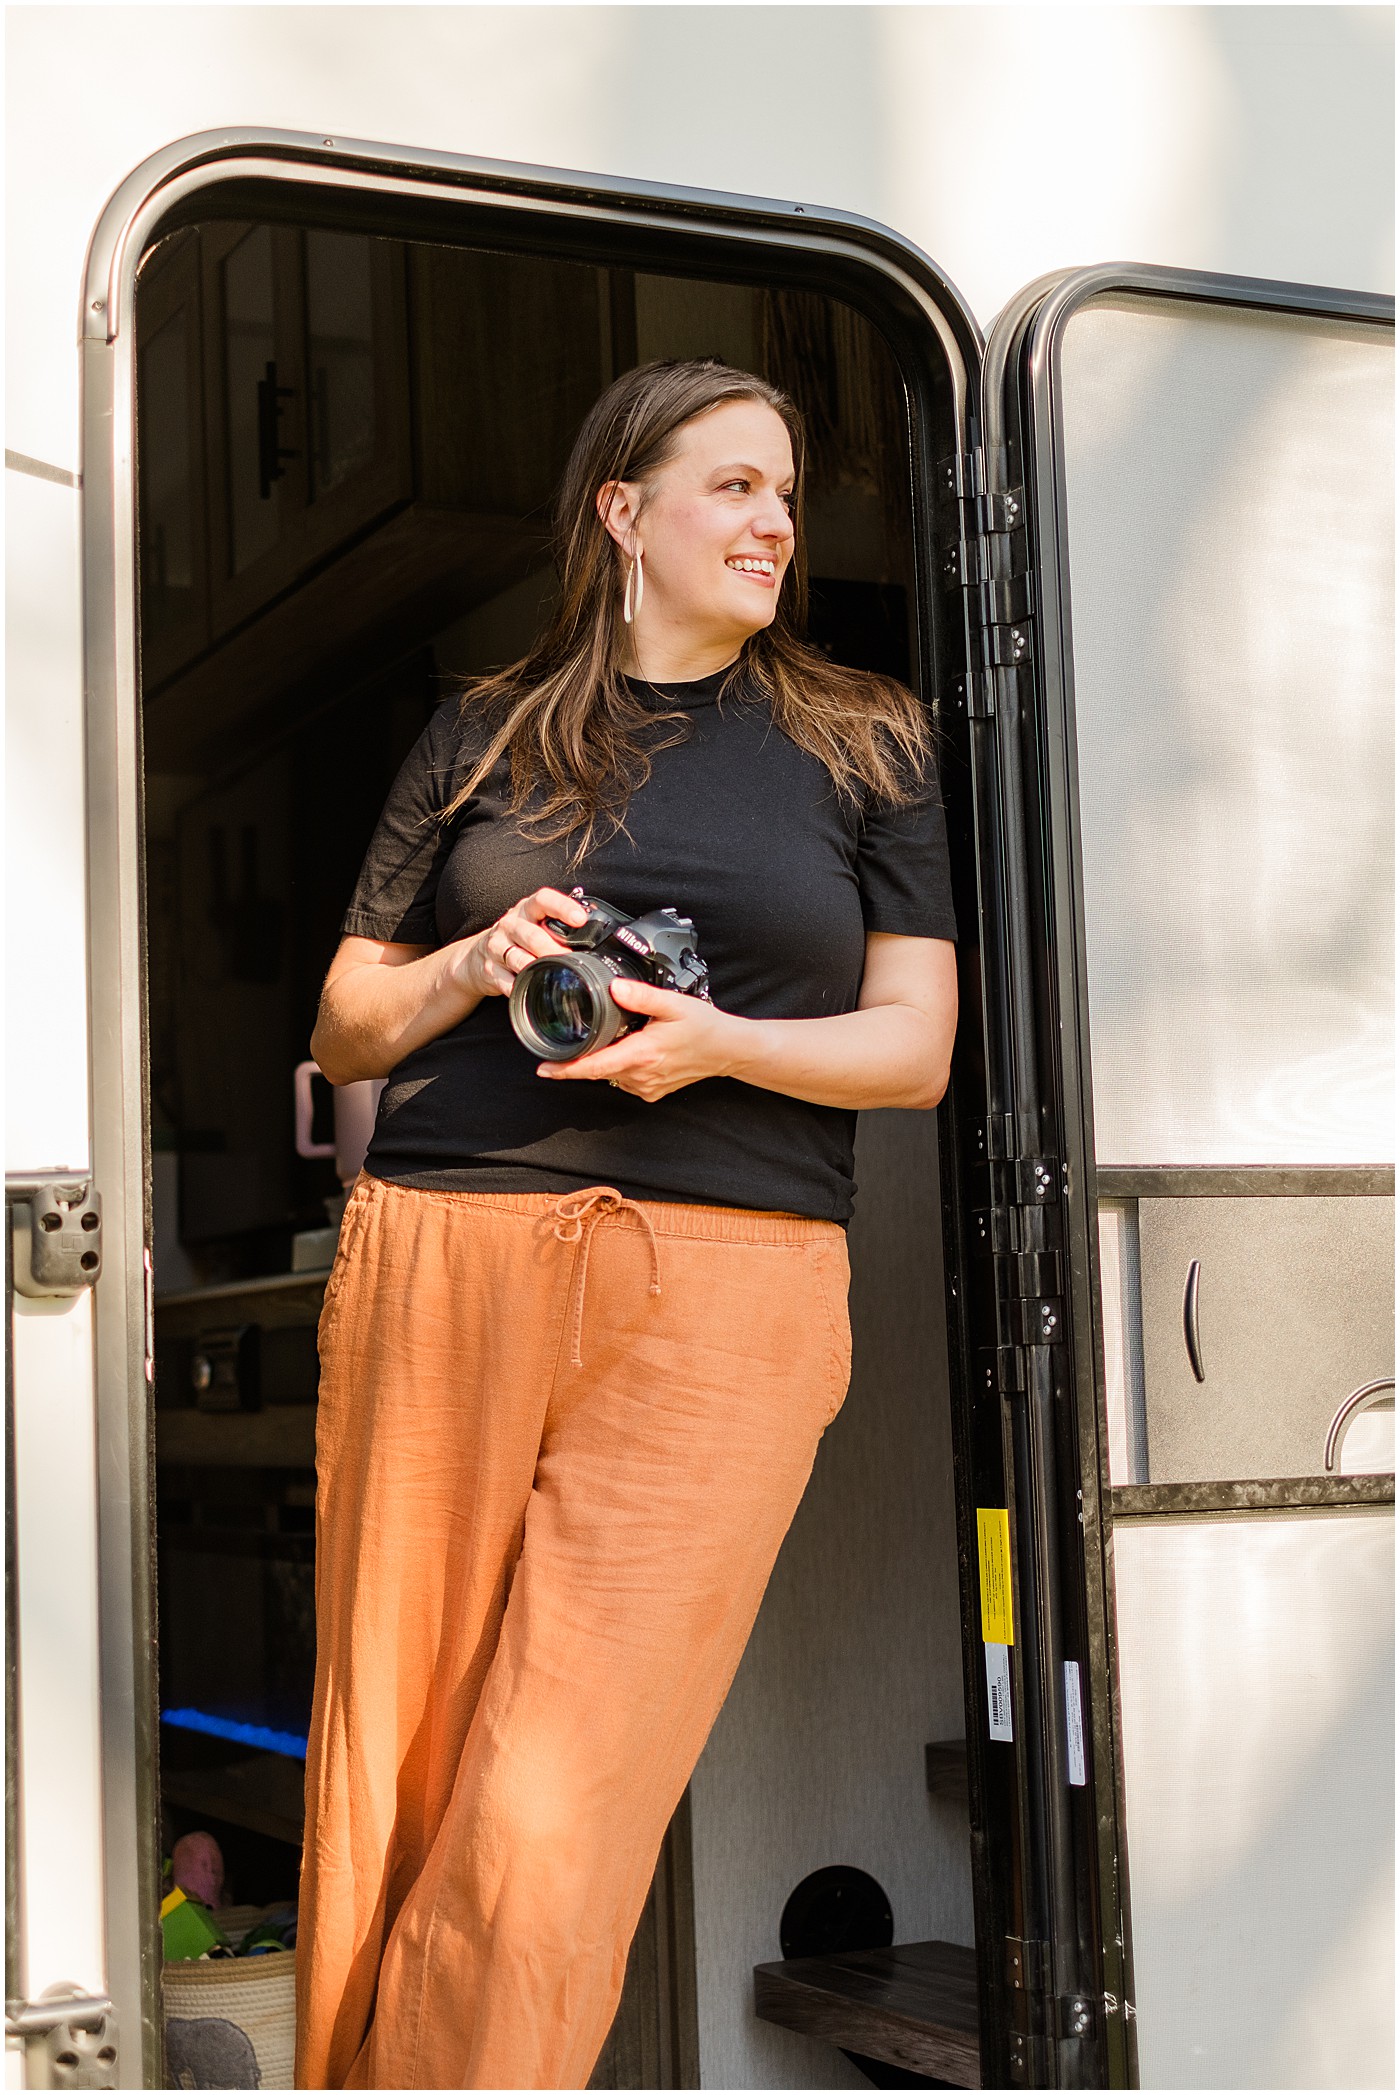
x: 375, y: 186
x: 1033, y: 726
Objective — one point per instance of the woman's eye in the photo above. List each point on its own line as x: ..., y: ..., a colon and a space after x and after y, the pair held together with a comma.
x: 745, y: 487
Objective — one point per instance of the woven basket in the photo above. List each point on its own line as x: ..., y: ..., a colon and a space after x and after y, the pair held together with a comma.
x: 231, y: 2023
x: 238, y: 1921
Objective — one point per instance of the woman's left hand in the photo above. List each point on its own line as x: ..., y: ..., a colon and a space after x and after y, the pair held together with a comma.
x: 686, y: 1040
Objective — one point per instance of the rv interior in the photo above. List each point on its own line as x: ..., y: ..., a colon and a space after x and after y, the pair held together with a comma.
x: 347, y: 447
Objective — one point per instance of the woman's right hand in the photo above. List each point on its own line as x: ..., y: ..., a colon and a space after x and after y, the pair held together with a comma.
x: 491, y: 959
x: 382, y: 999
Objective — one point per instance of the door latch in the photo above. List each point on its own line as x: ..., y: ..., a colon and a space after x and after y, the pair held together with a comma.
x: 79, y: 2034
x: 58, y: 1236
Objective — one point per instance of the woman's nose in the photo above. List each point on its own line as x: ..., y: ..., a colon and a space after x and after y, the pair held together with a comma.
x: 774, y: 520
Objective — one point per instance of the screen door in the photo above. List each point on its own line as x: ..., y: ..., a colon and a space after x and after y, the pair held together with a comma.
x: 1222, y: 504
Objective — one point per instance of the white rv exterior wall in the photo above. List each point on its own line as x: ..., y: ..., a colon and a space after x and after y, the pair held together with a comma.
x: 1005, y: 141
x: 46, y: 1096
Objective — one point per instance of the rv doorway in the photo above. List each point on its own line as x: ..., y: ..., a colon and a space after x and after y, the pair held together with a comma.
x: 346, y: 449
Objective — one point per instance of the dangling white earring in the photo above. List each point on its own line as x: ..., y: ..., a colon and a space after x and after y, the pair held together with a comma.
x: 632, y: 594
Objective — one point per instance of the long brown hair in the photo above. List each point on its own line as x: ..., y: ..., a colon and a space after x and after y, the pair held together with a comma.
x: 564, y: 715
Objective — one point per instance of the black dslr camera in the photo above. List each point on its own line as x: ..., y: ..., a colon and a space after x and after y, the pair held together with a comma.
x: 561, y: 1006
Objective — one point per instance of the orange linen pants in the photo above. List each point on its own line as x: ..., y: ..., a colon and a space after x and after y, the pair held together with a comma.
x: 559, y: 1444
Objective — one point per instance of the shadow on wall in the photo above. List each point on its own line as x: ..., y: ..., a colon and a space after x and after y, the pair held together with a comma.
x: 855, y: 1663
x: 1251, y: 140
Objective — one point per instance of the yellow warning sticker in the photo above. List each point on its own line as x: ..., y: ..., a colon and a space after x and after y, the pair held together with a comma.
x: 994, y: 1563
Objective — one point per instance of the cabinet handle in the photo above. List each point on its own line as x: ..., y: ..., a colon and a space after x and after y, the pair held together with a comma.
x: 1359, y: 1400
x: 302, y: 1102
x: 1191, y: 1318
x: 271, y: 451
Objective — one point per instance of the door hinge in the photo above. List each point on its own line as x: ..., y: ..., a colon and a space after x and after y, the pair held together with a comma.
x: 79, y: 2035
x: 1040, y: 2019
x: 1029, y: 1276
x: 959, y: 477
x: 1074, y: 2014
x: 1036, y: 1321
x: 1027, y: 1963
x: 1000, y: 1370
x: 57, y: 1228
x: 1021, y: 1182
x: 994, y: 1137
x: 985, y: 552
x: 983, y: 693
x: 1017, y: 1231
x: 1030, y: 2053
x: 1001, y: 646
x: 1023, y: 1269
x: 1031, y: 2060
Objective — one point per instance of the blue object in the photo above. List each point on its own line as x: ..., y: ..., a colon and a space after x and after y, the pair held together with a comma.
x: 288, y: 1742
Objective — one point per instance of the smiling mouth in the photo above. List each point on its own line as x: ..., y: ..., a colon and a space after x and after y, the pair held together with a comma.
x: 761, y: 570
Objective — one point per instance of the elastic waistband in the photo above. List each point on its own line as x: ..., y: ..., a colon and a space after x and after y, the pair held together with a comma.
x: 668, y: 1218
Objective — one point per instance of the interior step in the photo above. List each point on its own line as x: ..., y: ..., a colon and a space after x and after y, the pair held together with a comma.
x: 914, y: 2005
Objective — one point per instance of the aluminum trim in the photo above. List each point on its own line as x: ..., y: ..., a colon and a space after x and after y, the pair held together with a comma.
x: 39, y: 469
x: 129, y: 1718
x: 188, y: 162
x: 1245, y: 1181
x: 826, y: 235
x: 1263, y: 1495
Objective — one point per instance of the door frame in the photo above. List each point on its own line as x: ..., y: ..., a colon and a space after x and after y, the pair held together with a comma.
x: 379, y: 188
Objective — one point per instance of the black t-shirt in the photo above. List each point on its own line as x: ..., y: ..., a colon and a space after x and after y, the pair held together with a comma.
x: 736, y: 828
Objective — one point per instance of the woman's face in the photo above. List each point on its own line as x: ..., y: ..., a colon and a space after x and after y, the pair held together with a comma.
x: 715, y: 528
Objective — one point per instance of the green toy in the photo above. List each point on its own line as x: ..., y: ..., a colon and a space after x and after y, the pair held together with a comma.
x: 188, y: 1928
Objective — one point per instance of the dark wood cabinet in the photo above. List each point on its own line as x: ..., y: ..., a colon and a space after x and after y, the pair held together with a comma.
x: 528, y: 332
x: 370, y: 448
x: 305, y: 353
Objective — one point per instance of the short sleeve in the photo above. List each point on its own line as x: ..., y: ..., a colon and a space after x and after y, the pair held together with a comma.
x: 395, y: 897
x: 902, y: 867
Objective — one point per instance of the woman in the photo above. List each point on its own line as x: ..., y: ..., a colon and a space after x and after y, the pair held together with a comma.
x: 587, y: 1321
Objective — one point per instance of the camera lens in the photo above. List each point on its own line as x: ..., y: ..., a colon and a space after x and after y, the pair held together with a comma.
x: 560, y: 1007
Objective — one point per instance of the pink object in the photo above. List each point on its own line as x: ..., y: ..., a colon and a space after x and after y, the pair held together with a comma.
x: 355, y: 1107
x: 197, y: 1866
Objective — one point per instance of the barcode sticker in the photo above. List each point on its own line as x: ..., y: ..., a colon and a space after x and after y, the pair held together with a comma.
x: 998, y: 1691
x: 1074, y: 1724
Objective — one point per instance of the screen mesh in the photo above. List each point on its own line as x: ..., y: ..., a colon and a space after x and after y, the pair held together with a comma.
x: 1228, y: 489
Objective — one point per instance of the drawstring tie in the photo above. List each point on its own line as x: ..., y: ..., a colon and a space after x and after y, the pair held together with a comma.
x: 576, y: 1217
